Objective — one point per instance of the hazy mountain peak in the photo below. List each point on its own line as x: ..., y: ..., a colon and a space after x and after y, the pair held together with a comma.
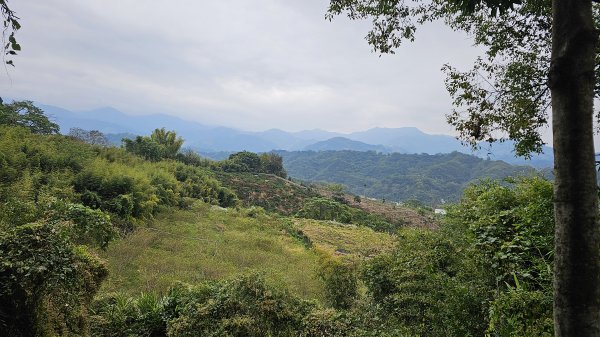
x: 220, y: 138
x: 343, y: 143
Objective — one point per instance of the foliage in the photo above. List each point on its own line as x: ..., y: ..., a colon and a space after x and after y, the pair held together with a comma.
x: 241, y: 307
x: 272, y: 193
x: 168, y: 140
x: 505, y: 94
x: 511, y: 95
x: 272, y: 163
x: 87, y: 226
x: 245, y: 161
x: 144, y: 147
x: 24, y: 113
x: 120, y: 315
x: 37, y: 169
x: 321, y: 208
x: 161, y: 144
x: 513, y: 226
x: 244, y: 306
x: 10, y: 24
x: 190, y: 157
x: 93, y: 137
x: 325, y: 209
x: 45, y: 282
x: 513, y: 229
x: 428, y: 286
x: 398, y: 177
x: 327, y: 323
x: 522, y: 312
x: 341, y: 281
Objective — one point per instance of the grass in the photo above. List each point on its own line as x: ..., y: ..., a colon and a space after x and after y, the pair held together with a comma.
x: 343, y: 239
x: 208, y: 244
x: 211, y: 243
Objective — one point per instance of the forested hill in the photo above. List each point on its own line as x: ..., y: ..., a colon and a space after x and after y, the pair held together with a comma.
x: 398, y: 177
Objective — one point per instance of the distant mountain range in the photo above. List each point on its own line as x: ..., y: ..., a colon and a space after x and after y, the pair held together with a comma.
x: 210, y: 139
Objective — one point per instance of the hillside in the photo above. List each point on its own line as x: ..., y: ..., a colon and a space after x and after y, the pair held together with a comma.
x: 268, y: 191
x: 208, y: 139
x: 145, y: 240
x: 207, y: 243
x: 342, y: 143
x: 398, y: 177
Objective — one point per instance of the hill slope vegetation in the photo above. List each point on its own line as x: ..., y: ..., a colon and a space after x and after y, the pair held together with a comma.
x: 398, y: 177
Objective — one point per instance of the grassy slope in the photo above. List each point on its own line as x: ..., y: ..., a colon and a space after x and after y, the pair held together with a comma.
x: 209, y: 243
x: 395, y: 214
x: 268, y: 191
x: 353, y: 241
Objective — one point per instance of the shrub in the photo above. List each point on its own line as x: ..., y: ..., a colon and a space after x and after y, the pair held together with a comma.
x: 428, y: 287
x: 520, y: 312
x: 245, y: 306
x: 341, y: 282
x: 45, y: 282
x: 319, y: 208
x: 89, y: 226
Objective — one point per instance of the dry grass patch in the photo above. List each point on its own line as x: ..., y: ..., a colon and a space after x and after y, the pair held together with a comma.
x: 209, y: 244
x: 344, y: 239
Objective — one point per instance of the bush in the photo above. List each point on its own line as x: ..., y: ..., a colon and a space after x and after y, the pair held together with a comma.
x: 119, y: 315
x: 341, y: 282
x: 520, y: 312
x: 427, y: 287
x: 512, y: 226
x: 245, y: 306
x: 89, y: 226
x: 327, y: 323
x: 46, y: 283
x: 320, y: 208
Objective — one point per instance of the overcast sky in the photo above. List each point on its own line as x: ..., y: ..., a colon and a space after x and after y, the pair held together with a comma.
x: 252, y: 65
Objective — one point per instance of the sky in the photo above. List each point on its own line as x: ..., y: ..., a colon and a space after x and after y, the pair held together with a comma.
x: 252, y: 65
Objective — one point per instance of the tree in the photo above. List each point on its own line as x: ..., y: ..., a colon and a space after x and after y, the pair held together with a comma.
x: 46, y: 282
x: 93, y: 137
x: 272, y: 163
x: 537, y: 55
x: 24, y: 113
x: 160, y: 145
x: 245, y: 161
x: 168, y: 140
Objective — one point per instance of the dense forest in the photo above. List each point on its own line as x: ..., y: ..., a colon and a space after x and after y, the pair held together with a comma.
x: 431, y: 179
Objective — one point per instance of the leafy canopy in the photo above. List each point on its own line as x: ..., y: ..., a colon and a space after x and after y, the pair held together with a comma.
x: 161, y: 144
x: 24, y: 113
x: 505, y: 94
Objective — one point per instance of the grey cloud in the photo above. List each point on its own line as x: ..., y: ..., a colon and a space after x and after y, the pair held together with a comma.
x: 248, y: 64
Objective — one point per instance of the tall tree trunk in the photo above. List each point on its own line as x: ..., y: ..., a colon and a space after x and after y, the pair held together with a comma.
x: 577, y: 239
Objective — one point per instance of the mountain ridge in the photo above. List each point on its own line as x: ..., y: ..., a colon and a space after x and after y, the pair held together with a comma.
x: 209, y: 139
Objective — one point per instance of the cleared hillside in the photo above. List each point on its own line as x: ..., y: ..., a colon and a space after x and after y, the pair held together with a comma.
x: 268, y: 191
x: 211, y: 243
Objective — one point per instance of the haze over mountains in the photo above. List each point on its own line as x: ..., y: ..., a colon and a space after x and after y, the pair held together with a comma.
x: 208, y: 139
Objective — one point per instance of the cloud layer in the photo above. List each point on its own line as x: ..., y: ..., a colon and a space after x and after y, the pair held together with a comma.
x: 248, y: 64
